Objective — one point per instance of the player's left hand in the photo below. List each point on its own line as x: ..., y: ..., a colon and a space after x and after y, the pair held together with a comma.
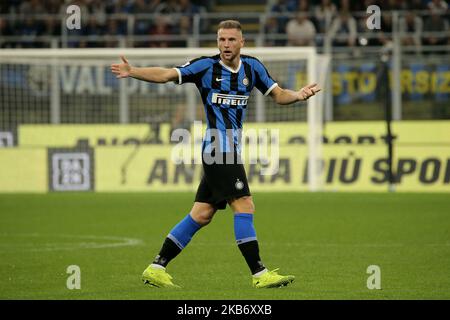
x: 308, y: 91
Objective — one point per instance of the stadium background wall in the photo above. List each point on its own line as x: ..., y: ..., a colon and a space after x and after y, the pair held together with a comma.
x: 91, y: 158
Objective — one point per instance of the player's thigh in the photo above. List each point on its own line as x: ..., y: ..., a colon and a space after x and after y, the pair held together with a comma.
x: 202, y: 212
x: 242, y: 204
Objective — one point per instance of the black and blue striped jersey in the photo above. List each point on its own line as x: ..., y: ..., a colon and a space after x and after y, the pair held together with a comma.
x: 225, y: 94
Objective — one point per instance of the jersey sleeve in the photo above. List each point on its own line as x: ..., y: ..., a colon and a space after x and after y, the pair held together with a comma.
x: 263, y: 81
x: 191, y: 71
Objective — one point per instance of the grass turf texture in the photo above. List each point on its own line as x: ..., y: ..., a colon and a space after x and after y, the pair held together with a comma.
x: 326, y: 239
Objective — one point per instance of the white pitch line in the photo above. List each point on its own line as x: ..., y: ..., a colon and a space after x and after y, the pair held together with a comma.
x: 116, y: 242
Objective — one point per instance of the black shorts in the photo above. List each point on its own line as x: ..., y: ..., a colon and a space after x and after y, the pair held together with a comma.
x: 221, y: 183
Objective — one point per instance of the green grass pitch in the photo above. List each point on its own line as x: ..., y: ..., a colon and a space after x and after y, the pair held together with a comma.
x: 327, y: 240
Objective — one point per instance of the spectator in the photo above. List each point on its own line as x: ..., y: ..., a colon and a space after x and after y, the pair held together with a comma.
x: 361, y: 5
x: 390, y: 5
x: 385, y: 36
x: 28, y: 31
x: 272, y: 33
x: 112, y: 29
x: 52, y: 6
x: 92, y: 31
x: 303, y: 6
x: 161, y: 27
x: 299, y: 5
x: 411, y: 26
x: 324, y: 13
x: 344, y: 6
x: 97, y: 8
x: 416, y: 5
x: 403, y: 5
x: 142, y: 25
x: 281, y: 10
x: 184, y: 29
x: 122, y: 6
x: 190, y: 9
x: 31, y: 7
x: 30, y: 27
x: 141, y: 6
x: 343, y: 30
x: 206, y: 5
x: 52, y: 27
x: 153, y: 5
x: 169, y: 8
x: 186, y: 7
x: 300, y: 31
x: 438, y: 6
x: 110, y: 7
x: 5, y: 31
x: 435, y: 23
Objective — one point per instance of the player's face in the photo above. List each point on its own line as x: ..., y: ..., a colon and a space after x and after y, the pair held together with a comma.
x: 230, y: 42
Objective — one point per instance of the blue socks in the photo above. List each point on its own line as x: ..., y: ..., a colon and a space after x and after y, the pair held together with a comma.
x: 244, y: 231
x: 245, y: 234
x: 183, y: 232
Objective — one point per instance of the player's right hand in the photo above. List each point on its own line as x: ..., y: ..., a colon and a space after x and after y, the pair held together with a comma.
x: 121, y: 70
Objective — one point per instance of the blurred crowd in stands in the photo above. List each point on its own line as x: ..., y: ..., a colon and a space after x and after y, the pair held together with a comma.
x: 289, y: 22
x: 34, y: 18
x: 346, y: 22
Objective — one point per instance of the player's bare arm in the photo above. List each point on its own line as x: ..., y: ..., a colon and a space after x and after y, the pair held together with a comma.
x: 151, y: 74
x: 286, y: 96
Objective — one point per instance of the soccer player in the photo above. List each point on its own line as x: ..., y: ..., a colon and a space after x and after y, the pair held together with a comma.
x: 224, y: 82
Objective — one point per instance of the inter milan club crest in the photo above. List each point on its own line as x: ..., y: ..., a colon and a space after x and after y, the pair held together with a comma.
x: 239, y: 184
x: 245, y: 81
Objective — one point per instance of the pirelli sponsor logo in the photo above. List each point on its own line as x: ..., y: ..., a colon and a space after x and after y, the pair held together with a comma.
x: 229, y: 99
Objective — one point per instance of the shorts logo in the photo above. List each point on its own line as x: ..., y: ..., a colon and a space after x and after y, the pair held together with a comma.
x: 245, y: 81
x: 239, y: 184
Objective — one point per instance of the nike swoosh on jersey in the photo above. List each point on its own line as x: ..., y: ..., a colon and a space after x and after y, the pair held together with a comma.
x: 219, y: 79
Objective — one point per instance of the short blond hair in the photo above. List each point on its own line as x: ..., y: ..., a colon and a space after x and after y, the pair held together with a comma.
x: 230, y: 24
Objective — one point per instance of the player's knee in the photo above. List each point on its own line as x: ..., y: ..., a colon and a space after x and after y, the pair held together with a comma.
x: 244, y: 204
x: 203, y: 217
